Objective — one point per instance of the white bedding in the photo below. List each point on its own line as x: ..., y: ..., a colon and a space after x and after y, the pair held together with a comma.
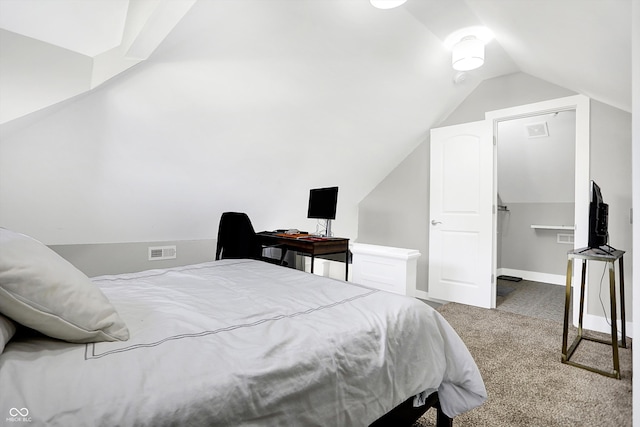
x: 241, y: 343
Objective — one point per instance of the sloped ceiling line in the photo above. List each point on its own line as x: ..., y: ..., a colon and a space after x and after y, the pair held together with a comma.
x: 116, y: 35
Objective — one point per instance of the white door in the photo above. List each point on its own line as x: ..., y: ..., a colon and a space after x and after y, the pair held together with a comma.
x: 461, y: 249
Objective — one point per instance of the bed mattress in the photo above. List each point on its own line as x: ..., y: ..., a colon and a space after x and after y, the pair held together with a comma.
x: 242, y: 343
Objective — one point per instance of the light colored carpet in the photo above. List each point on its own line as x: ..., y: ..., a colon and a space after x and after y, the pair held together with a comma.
x: 534, y: 299
x: 519, y: 359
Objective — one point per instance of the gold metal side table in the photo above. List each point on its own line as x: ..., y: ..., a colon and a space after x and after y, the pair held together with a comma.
x: 610, y: 257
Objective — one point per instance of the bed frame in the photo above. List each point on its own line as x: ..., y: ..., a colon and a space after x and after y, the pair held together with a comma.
x: 405, y: 414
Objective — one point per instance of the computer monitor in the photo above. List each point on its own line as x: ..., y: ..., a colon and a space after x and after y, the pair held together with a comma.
x: 598, y: 218
x: 322, y: 205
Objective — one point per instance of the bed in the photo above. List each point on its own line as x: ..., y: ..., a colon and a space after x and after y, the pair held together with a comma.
x: 228, y: 343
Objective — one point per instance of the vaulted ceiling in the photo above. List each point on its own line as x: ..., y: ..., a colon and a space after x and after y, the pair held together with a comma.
x: 571, y: 43
x: 180, y: 109
x: 67, y: 47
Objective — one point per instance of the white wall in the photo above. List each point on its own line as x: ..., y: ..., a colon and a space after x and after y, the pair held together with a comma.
x: 635, y: 162
x: 245, y: 106
x: 34, y: 74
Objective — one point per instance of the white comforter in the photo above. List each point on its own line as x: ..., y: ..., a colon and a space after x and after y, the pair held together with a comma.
x: 241, y: 343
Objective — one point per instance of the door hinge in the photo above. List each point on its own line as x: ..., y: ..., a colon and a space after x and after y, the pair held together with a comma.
x: 495, y: 140
x: 493, y: 278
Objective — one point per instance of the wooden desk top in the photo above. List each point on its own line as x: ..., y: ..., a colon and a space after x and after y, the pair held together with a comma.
x: 306, y: 243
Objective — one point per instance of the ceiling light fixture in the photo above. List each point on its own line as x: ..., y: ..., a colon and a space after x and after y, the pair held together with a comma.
x: 468, y: 54
x: 386, y: 4
x: 467, y: 47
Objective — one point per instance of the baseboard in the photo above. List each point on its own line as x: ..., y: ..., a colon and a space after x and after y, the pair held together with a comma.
x: 590, y: 321
x: 421, y: 295
x: 599, y: 324
x: 554, y: 279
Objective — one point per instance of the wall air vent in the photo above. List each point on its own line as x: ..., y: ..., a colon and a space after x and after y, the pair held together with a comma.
x: 537, y: 130
x: 157, y: 253
x: 565, y: 238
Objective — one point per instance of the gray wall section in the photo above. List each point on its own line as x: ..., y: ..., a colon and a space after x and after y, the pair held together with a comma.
x: 503, y: 92
x: 113, y: 258
x: 524, y: 248
x: 396, y: 212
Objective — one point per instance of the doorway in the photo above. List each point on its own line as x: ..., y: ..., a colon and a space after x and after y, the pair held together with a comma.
x: 536, y: 195
x: 474, y: 141
x: 538, y: 207
x: 535, y: 215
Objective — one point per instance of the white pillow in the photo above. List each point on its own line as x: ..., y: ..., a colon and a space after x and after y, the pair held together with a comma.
x: 41, y: 290
x: 7, y: 329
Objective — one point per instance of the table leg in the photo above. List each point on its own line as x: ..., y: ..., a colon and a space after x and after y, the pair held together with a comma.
x: 565, y: 330
x: 313, y: 258
x: 583, y: 281
x: 623, y: 319
x: 614, y: 319
x: 567, y: 351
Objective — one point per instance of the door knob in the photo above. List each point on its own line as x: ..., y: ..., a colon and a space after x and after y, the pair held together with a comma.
x: 434, y: 222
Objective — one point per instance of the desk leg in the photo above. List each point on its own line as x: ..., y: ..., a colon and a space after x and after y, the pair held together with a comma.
x: 623, y: 319
x: 565, y: 331
x: 283, y: 253
x: 346, y: 266
x: 313, y: 258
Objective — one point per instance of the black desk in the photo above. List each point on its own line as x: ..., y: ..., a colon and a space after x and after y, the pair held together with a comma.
x: 309, y: 245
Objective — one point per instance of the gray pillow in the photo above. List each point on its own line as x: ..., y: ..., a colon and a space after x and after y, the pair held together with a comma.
x: 41, y: 290
x: 7, y: 329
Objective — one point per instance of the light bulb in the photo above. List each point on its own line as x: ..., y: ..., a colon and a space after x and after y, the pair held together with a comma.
x: 386, y: 4
x: 468, y: 54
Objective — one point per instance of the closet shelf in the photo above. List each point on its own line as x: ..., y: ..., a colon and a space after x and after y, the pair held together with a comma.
x: 553, y: 227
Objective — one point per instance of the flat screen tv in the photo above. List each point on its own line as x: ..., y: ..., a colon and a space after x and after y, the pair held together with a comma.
x: 598, y: 218
x: 322, y: 203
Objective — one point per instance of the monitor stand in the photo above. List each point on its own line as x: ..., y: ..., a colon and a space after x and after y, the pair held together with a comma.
x: 327, y: 230
x: 605, y: 249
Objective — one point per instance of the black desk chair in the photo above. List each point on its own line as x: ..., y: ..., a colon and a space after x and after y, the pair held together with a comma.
x: 237, y: 239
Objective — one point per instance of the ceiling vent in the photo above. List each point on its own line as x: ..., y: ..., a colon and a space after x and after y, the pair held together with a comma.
x: 537, y: 130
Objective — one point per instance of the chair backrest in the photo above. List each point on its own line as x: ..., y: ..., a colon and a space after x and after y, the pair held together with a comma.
x: 236, y: 237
